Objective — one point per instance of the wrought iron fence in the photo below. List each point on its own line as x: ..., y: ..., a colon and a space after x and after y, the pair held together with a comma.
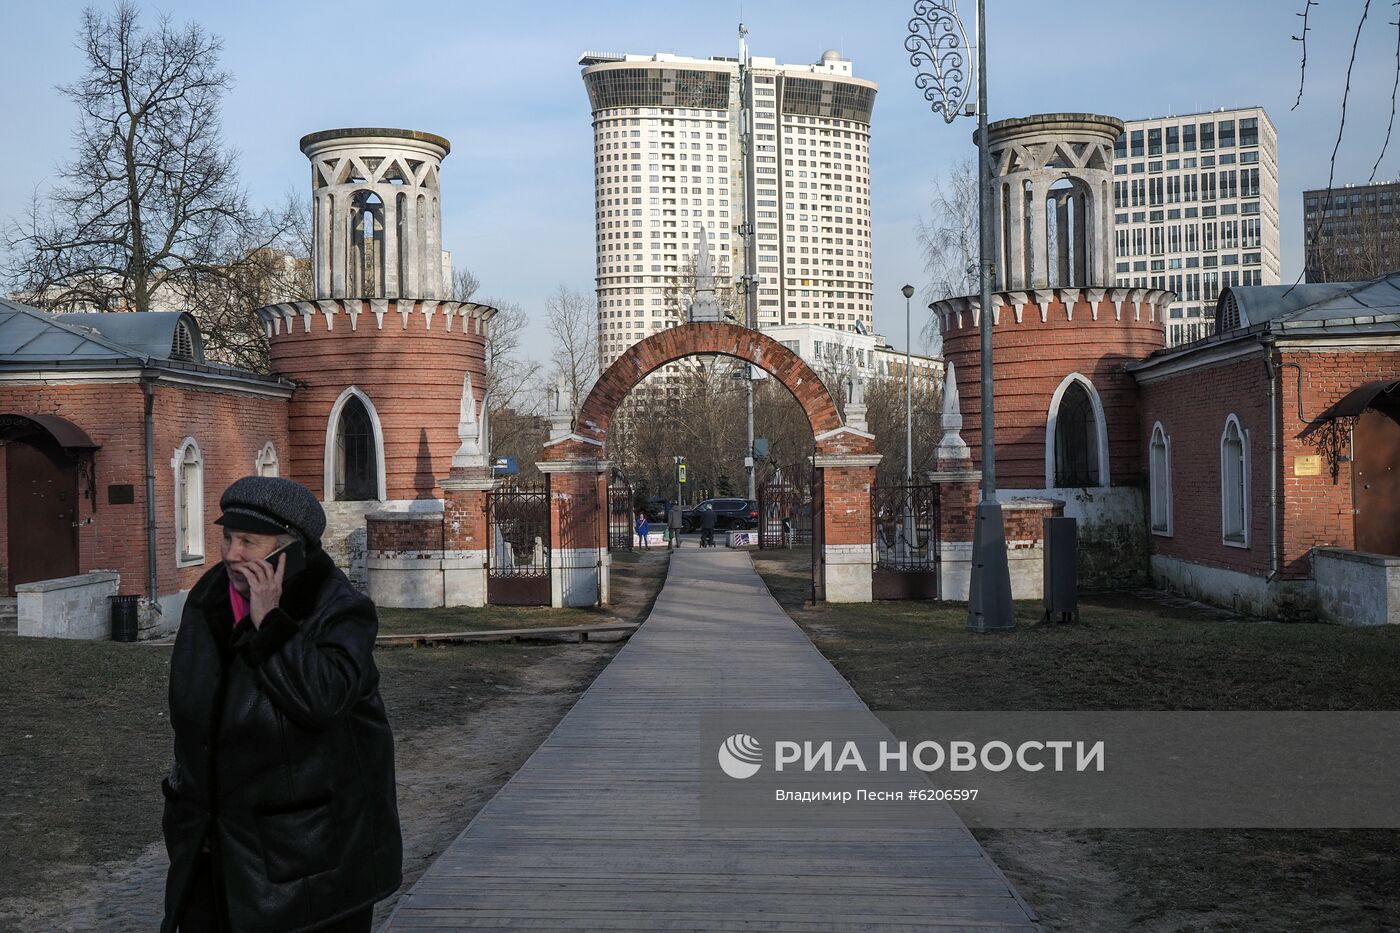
x: 785, y: 510
x: 904, y: 541
x: 621, y: 516
x: 518, y: 558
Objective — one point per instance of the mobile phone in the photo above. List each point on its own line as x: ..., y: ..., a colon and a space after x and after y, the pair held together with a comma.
x: 294, y: 557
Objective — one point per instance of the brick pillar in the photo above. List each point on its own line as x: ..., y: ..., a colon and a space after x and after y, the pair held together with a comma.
x: 958, y: 492
x: 847, y: 553
x: 578, y: 532
x: 466, y: 537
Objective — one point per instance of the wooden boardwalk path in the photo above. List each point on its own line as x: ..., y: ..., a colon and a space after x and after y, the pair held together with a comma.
x: 600, y: 829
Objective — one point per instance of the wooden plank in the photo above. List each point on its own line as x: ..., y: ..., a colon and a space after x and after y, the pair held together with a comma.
x: 581, y: 631
x: 601, y: 828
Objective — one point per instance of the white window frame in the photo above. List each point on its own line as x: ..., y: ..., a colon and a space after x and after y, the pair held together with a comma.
x: 328, y: 471
x: 188, y: 493
x: 1160, y: 498
x: 1242, y: 487
x: 1101, y: 425
x: 267, y: 457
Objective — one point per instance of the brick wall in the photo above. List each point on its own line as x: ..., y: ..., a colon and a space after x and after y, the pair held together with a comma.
x: 397, y: 535
x: 229, y: 427
x: 1192, y: 407
x: 412, y: 374
x: 1031, y: 358
x: 1317, y: 509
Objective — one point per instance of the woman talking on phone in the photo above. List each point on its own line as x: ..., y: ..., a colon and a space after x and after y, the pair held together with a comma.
x: 280, y: 810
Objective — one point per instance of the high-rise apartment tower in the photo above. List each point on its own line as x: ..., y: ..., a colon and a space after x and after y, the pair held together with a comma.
x: 669, y: 162
x: 1195, y: 201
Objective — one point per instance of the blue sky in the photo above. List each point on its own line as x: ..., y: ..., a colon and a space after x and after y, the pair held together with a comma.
x: 500, y: 80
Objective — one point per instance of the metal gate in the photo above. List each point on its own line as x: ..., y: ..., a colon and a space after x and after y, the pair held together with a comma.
x: 784, y: 510
x: 621, y: 518
x: 904, y: 542
x: 517, y: 562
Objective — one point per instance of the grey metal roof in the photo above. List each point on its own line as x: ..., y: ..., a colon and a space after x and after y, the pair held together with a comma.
x: 150, y: 333
x: 34, y: 339
x: 1331, y: 307
x: 28, y: 335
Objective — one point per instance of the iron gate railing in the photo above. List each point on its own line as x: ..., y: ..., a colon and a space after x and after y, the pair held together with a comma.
x: 785, y: 510
x: 904, y: 542
x: 621, y: 517
x: 517, y: 562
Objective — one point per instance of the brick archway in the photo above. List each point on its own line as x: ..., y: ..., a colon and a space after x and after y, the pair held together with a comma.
x: 577, y: 467
x: 647, y: 356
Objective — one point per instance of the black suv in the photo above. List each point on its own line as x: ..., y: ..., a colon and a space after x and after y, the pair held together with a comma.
x: 729, y: 513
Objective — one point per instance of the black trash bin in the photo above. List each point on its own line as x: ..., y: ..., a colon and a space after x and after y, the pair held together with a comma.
x: 124, y: 618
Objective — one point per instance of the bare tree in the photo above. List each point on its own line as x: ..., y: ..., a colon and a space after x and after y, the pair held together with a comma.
x: 949, y: 240
x: 573, y: 324
x: 464, y: 284
x: 152, y: 199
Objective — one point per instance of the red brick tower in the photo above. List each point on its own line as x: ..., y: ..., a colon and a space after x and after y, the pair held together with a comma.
x: 381, y: 355
x: 1066, y: 411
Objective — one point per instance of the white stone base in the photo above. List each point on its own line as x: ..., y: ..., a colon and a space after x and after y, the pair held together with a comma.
x: 68, y: 607
x: 405, y: 582
x: 1231, y: 589
x: 1026, y: 563
x: 847, y: 572
x: 464, y: 578
x: 575, y: 577
x: 1355, y: 588
x: 442, y: 578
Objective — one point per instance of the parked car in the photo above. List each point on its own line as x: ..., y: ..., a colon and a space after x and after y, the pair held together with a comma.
x: 729, y: 513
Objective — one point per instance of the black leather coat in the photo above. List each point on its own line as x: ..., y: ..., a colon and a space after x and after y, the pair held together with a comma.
x: 284, y: 761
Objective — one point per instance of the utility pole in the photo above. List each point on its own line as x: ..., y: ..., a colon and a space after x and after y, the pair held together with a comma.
x: 908, y: 292
x: 989, y: 598
x: 935, y: 42
x: 748, y: 230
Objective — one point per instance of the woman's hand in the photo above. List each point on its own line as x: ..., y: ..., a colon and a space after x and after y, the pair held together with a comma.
x: 264, y: 587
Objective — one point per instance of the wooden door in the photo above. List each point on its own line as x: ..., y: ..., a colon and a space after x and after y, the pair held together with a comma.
x: 42, y: 496
x: 1375, y: 478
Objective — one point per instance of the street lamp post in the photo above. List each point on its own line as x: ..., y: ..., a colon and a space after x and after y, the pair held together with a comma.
x: 936, y: 41
x: 908, y: 291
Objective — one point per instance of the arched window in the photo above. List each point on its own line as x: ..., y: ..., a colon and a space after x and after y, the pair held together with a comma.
x: 188, y: 464
x: 1160, y: 478
x: 1076, y: 439
x: 355, y: 454
x: 1234, y: 483
x: 367, y: 245
x: 267, y: 463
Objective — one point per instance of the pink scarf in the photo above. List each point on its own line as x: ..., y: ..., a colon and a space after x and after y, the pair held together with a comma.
x: 240, y: 605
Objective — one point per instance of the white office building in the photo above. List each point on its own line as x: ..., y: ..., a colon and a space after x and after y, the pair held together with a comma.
x: 669, y: 162
x: 1196, y: 210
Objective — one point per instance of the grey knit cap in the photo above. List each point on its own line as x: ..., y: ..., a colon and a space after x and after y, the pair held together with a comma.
x: 288, y: 505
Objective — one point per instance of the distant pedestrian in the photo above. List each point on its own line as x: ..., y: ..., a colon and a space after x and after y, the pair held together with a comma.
x: 707, y: 527
x: 642, y: 528
x: 280, y: 810
x: 674, y: 523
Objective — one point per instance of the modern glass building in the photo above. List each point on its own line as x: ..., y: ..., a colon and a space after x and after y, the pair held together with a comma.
x: 1195, y: 202
x: 670, y: 162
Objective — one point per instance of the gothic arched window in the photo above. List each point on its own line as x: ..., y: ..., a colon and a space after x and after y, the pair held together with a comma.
x: 1076, y: 439
x: 356, y: 460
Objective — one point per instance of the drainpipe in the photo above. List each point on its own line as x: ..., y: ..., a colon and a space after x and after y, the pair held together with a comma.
x: 149, y: 387
x: 1272, y: 368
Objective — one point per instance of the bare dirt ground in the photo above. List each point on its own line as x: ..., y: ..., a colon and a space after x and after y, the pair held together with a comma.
x: 1133, y: 653
x: 88, y: 743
